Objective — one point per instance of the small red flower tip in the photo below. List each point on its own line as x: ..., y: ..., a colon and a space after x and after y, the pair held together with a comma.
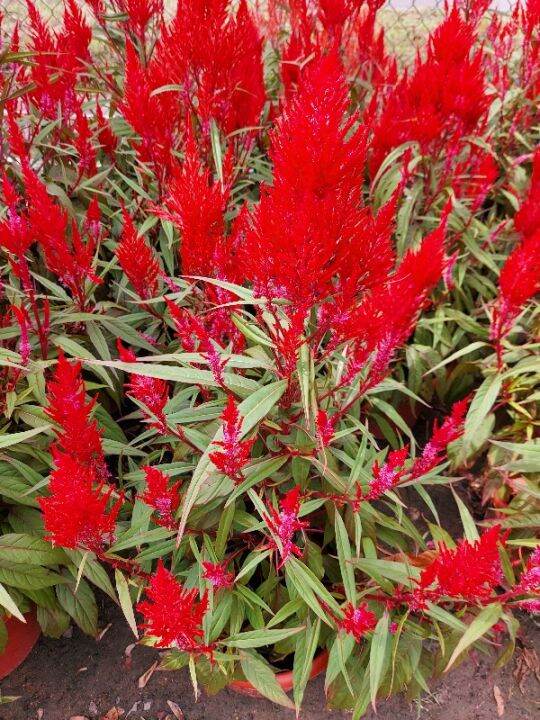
x: 236, y: 452
x: 161, y: 496
x: 218, y: 575
x: 388, y: 475
x: 434, y: 451
x: 285, y: 523
x: 152, y: 393
x: 471, y: 571
x: 530, y: 579
x: 172, y: 614
x: 325, y: 428
x: 357, y: 621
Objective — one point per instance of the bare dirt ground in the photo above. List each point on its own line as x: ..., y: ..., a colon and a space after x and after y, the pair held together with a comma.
x: 79, y: 678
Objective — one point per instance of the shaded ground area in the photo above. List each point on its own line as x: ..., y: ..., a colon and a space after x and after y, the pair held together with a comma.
x: 79, y: 677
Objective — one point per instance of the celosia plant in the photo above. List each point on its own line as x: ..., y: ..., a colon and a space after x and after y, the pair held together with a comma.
x: 250, y: 319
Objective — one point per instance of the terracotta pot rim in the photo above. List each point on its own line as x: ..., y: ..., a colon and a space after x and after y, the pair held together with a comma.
x: 285, y: 678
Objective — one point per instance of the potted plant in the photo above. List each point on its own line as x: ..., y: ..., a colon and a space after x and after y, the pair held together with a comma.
x: 209, y: 323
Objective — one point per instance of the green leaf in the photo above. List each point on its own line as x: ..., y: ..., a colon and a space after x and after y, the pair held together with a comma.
x: 7, y: 602
x: 469, y: 526
x: 80, y: 605
x: 259, y: 638
x: 481, y: 405
x: 8, y: 440
x: 306, y: 646
x: 377, y: 657
x: 28, y: 549
x: 345, y: 558
x: 479, y: 626
x: 260, y: 675
x: 125, y: 601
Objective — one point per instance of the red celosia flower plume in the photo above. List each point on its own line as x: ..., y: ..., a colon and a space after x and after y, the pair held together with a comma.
x: 529, y: 581
x: 283, y: 524
x: 439, y: 102
x: 151, y: 393
x: 307, y: 227
x: 325, y: 426
x: 156, y: 118
x: 77, y: 433
x: 75, y: 512
x: 218, y: 575
x: 137, y: 260
x: 434, y: 450
x: 357, y: 621
x: 172, y: 614
x: 236, y: 452
x: 385, y: 476
x: 471, y: 571
x: 204, y: 249
x: 161, y: 496
x: 194, y: 335
x: 385, y: 318
x: 217, y: 59
x: 519, y: 280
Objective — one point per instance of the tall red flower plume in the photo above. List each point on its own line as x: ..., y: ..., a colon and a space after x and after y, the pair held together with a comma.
x: 77, y: 433
x: 439, y: 102
x: 172, y: 614
x: 161, y: 496
x: 307, y: 227
x: 471, y: 571
x: 151, y: 393
x: 137, y: 260
x: 283, y: 524
x: 519, y: 280
x: 75, y: 512
x: 236, y: 452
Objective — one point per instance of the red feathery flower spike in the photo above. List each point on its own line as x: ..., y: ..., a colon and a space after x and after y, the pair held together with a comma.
x: 152, y: 393
x: 75, y: 513
x: 137, y: 260
x: 450, y: 430
x: 218, y: 575
x: 285, y: 523
x: 471, y: 571
x: 236, y: 452
x: 77, y: 435
x: 159, y: 495
x: 172, y: 614
x: 357, y: 621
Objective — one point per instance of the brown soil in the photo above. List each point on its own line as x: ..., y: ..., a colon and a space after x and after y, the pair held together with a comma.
x: 83, y: 678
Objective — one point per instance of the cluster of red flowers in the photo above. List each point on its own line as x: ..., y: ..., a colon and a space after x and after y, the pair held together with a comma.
x: 75, y: 512
x: 137, y: 260
x: 439, y: 102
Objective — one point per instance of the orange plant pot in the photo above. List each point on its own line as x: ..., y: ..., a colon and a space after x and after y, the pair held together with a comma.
x: 285, y: 679
x: 21, y: 639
